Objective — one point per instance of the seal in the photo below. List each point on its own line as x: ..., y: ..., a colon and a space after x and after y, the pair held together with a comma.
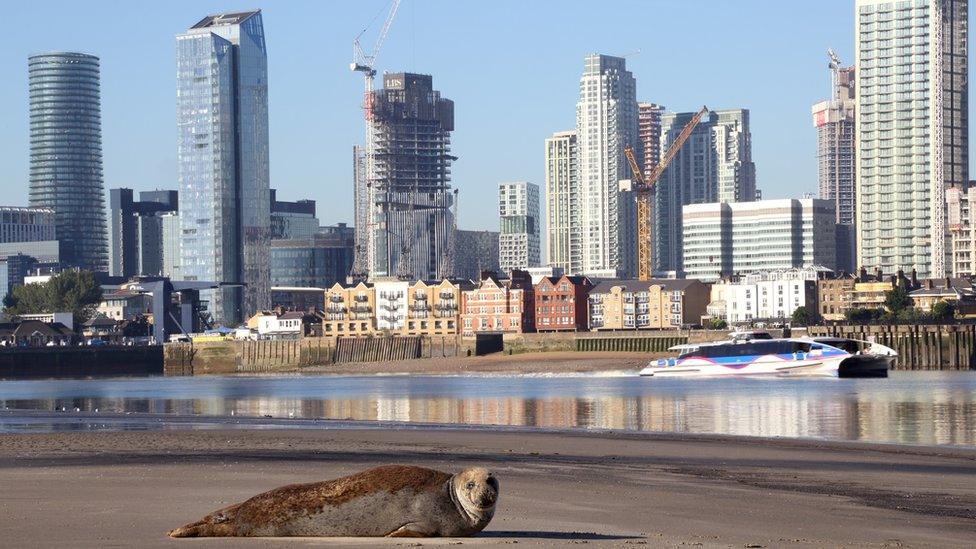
x: 391, y: 500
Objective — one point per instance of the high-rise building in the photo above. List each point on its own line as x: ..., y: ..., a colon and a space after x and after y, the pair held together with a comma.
x: 27, y: 224
x: 518, y: 215
x: 361, y: 211
x: 477, y: 251
x: 606, y: 123
x: 834, y: 121
x: 136, y: 231
x: 66, y: 153
x: 222, y: 116
x: 172, y: 244
x: 722, y: 239
x: 317, y: 261
x: 292, y: 220
x: 912, y: 119
x: 714, y: 165
x: 409, y: 192
x: 649, y: 129
x: 563, y: 247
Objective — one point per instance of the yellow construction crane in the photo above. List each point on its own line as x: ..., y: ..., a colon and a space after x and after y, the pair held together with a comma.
x: 644, y: 188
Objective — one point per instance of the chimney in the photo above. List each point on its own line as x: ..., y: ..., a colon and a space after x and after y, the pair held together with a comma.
x: 862, y: 275
x: 948, y: 283
x: 914, y: 278
x: 877, y: 274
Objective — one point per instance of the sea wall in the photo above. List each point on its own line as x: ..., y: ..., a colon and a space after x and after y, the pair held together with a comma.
x: 107, y: 361
x: 919, y: 347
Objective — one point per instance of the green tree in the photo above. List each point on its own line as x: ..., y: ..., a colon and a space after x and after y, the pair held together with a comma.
x: 801, y: 316
x: 943, y: 310
x: 718, y: 324
x: 897, y: 299
x: 70, y: 291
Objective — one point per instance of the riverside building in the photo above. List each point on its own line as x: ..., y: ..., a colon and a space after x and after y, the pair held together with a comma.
x: 66, y: 153
x: 222, y: 117
x: 518, y: 239
x: 721, y: 239
x: 912, y: 120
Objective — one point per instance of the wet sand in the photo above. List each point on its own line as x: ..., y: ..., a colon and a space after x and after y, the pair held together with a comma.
x: 95, y: 489
x: 565, y: 362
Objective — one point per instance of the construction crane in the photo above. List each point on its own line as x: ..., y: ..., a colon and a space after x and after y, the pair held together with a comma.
x: 644, y: 190
x: 366, y: 63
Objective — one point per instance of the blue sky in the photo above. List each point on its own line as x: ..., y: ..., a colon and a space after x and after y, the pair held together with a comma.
x: 512, y: 68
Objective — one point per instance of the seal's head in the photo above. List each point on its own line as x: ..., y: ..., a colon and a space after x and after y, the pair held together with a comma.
x: 475, y: 491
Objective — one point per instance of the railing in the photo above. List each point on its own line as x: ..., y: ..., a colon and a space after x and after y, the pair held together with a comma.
x: 336, y: 298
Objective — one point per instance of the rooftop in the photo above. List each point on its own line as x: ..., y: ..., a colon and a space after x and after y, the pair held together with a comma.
x: 222, y: 19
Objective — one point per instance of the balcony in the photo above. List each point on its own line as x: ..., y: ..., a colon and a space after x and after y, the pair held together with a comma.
x: 446, y: 306
x: 361, y: 298
x: 392, y: 307
x: 334, y: 298
x: 417, y: 306
x: 360, y: 309
x: 420, y: 296
x: 335, y: 309
x: 447, y: 295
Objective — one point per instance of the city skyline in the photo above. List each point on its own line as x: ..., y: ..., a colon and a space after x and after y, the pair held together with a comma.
x: 315, y: 116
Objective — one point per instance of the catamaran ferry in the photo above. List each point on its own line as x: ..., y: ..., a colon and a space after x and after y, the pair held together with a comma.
x: 753, y: 354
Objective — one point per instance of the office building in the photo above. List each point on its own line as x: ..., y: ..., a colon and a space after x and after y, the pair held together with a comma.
x: 292, y: 220
x: 411, y: 232
x: 27, y: 224
x: 518, y: 214
x: 66, y: 153
x: 563, y: 246
x: 714, y: 165
x: 912, y: 123
x: 834, y: 121
x: 136, y: 231
x: 476, y: 251
x: 606, y: 123
x: 722, y: 239
x: 316, y: 261
x: 222, y: 116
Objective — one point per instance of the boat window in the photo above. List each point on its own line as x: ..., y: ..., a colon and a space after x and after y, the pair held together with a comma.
x: 753, y: 348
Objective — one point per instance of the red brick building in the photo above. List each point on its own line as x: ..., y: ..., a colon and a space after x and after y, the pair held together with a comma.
x: 561, y: 303
x: 499, y: 305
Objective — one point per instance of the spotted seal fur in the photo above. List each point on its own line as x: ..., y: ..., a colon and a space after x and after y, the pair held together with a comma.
x: 391, y: 500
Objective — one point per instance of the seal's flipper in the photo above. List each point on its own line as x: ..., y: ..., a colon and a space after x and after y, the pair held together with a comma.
x: 409, y: 530
x: 218, y: 524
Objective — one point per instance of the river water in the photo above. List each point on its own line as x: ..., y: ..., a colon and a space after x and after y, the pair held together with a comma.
x: 929, y: 408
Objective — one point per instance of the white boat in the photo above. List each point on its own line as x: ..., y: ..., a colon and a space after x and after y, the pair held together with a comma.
x: 758, y: 355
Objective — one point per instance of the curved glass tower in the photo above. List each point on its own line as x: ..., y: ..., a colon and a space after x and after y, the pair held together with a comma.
x: 66, y: 153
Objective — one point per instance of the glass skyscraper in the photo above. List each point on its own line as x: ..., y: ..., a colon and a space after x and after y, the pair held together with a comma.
x: 66, y: 153
x: 222, y: 115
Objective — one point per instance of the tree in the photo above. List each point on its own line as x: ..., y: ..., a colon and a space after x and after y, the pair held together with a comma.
x: 897, y: 299
x: 70, y: 291
x: 943, y: 310
x: 718, y: 324
x: 801, y: 316
x: 862, y: 315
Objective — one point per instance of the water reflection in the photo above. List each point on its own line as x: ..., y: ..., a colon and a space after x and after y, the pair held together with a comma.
x: 910, y: 407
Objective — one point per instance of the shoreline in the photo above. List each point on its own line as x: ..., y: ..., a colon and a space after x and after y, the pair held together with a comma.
x: 552, y: 362
x: 603, y: 488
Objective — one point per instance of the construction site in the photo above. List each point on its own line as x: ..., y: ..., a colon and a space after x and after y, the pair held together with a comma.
x: 406, y: 211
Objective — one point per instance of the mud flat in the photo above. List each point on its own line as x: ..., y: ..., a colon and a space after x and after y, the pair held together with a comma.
x: 559, y: 362
x: 96, y: 489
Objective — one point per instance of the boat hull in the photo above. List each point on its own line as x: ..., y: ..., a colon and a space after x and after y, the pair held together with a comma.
x: 771, y: 366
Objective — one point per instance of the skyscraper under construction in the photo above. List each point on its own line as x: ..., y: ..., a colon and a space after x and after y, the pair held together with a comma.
x: 410, y: 224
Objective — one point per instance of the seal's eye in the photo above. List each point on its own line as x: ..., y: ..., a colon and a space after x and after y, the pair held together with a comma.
x: 471, y: 485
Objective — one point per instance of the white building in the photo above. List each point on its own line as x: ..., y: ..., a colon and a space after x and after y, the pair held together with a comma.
x: 722, y: 239
x: 288, y: 325
x: 962, y: 230
x: 518, y: 235
x: 562, y: 203
x: 606, y: 123
x: 391, y: 303
x: 911, y: 122
x: 768, y: 295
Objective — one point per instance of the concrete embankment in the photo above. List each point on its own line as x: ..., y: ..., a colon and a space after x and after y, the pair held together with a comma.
x: 46, y: 362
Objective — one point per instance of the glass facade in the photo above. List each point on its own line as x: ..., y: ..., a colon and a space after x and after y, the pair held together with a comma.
x: 66, y: 153
x: 222, y: 111
x: 26, y: 224
x: 312, y: 263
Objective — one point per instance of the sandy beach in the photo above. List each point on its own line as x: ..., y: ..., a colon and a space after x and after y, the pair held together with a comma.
x: 566, y: 362
x: 97, y: 489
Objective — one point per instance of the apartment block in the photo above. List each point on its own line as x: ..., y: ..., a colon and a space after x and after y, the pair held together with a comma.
x: 912, y: 123
x: 518, y: 216
x: 561, y: 303
x: 563, y: 236
x: 658, y: 304
x: 499, y: 305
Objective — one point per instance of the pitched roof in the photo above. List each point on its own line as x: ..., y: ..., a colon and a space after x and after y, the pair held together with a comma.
x: 667, y: 284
